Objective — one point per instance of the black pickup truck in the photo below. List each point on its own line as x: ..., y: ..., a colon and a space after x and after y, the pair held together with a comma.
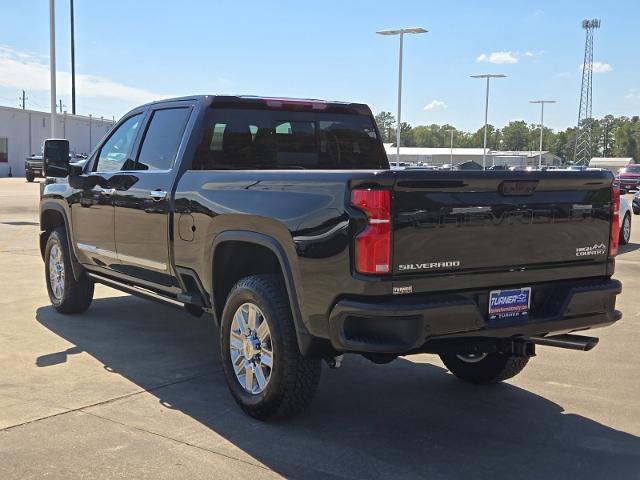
x: 33, y: 167
x: 282, y: 219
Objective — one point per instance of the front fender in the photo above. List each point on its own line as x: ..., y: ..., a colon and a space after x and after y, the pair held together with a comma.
x: 56, y: 206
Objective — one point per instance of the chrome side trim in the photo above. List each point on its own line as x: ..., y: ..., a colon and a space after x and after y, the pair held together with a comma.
x: 134, y: 289
x: 98, y: 251
x: 143, y: 262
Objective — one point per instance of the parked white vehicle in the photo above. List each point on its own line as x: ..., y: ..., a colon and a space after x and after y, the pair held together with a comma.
x: 625, y: 220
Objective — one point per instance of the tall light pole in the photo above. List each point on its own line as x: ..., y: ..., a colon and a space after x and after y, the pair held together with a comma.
x: 541, y: 102
x: 451, y: 130
x: 488, y: 76
x: 52, y: 63
x: 400, y: 32
x: 73, y: 62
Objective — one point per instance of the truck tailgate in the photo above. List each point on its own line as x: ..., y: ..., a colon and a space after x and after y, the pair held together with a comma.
x: 454, y: 221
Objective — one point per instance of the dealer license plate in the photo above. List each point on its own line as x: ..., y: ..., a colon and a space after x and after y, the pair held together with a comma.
x: 510, y: 303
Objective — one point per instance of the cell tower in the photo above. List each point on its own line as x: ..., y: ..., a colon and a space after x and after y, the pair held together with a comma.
x: 582, y: 153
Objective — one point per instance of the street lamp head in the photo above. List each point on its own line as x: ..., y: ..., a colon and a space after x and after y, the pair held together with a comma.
x: 415, y: 30
x: 489, y: 75
x: 402, y: 30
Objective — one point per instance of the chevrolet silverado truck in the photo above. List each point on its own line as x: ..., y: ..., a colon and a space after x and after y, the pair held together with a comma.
x: 282, y: 219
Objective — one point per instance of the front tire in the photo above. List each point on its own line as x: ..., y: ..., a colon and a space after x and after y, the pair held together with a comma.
x: 29, y: 176
x: 625, y: 230
x: 484, y: 368
x: 263, y: 367
x: 67, y: 294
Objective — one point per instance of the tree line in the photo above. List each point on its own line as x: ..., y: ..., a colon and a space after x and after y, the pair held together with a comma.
x: 611, y: 136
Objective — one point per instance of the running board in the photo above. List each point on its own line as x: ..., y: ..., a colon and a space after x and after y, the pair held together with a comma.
x: 572, y: 342
x: 135, y: 290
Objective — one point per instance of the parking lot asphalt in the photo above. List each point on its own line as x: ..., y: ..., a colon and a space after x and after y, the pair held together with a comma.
x: 133, y: 389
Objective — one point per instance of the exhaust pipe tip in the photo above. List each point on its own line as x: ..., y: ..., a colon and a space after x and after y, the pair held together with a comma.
x: 568, y: 341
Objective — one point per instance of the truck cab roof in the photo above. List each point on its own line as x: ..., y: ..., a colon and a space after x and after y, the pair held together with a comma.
x: 286, y: 103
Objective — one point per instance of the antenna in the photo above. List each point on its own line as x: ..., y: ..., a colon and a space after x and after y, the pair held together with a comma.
x: 582, y: 152
x: 23, y: 99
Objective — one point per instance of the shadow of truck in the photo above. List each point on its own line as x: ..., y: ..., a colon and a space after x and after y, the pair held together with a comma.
x: 401, y: 420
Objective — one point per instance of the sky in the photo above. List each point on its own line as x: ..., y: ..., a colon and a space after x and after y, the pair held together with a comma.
x: 131, y: 52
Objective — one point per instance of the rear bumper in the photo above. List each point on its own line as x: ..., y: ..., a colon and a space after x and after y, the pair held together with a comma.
x: 407, y: 323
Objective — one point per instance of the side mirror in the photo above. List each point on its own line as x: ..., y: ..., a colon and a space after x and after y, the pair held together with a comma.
x: 55, y: 157
x: 623, y: 191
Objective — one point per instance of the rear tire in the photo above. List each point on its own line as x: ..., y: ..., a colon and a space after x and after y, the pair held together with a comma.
x: 264, y: 369
x: 490, y: 368
x: 625, y: 230
x: 67, y: 294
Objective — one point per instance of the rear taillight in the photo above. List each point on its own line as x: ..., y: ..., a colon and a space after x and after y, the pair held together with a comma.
x: 373, y: 245
x: 615, y: 221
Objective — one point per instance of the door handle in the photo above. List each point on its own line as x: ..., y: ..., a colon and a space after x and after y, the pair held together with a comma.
x: 107, y: 192
x: 158, y: 195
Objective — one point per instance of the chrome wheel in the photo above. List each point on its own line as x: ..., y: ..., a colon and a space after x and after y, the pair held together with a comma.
x: 626, y: 228
x: 251, y: 348
x: 56, y: 272
x: 472, y: 357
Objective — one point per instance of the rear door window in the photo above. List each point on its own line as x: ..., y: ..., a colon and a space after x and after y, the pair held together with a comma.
x: 162, y: 139
x: 280, y: 139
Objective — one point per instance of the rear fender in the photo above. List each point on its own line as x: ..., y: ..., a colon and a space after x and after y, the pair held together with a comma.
x: 305, y: 340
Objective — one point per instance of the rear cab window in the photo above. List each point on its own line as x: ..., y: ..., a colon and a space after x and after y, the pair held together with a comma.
x: 247, y: 138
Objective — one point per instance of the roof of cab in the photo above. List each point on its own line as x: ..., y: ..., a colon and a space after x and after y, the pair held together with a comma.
x: 251, y: 99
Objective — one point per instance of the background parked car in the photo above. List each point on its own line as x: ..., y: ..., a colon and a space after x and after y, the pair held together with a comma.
x: 636, y: 203
x: 398, y: 165
x: 625, y: 219
x: 629, y: 177
x: 33, y: 167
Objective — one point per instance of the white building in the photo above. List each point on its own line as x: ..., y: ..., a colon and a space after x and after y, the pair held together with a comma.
x: 613, y: 164
x: 526, y: 158
x: 442, y: 156
x: 23, y: 131
x: 436, y: 156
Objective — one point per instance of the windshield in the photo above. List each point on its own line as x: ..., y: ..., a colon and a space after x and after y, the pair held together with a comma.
x: 631, y: 169
x: 281, y: 139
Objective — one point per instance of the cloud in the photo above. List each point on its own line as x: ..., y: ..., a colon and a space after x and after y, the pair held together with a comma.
x: 599, y: 67
x: 24, y: 70
x: 529, y: 53
x: 633, y: 93
x: 563, y: 74
x: 435, y: 105
x: 498, y: 57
